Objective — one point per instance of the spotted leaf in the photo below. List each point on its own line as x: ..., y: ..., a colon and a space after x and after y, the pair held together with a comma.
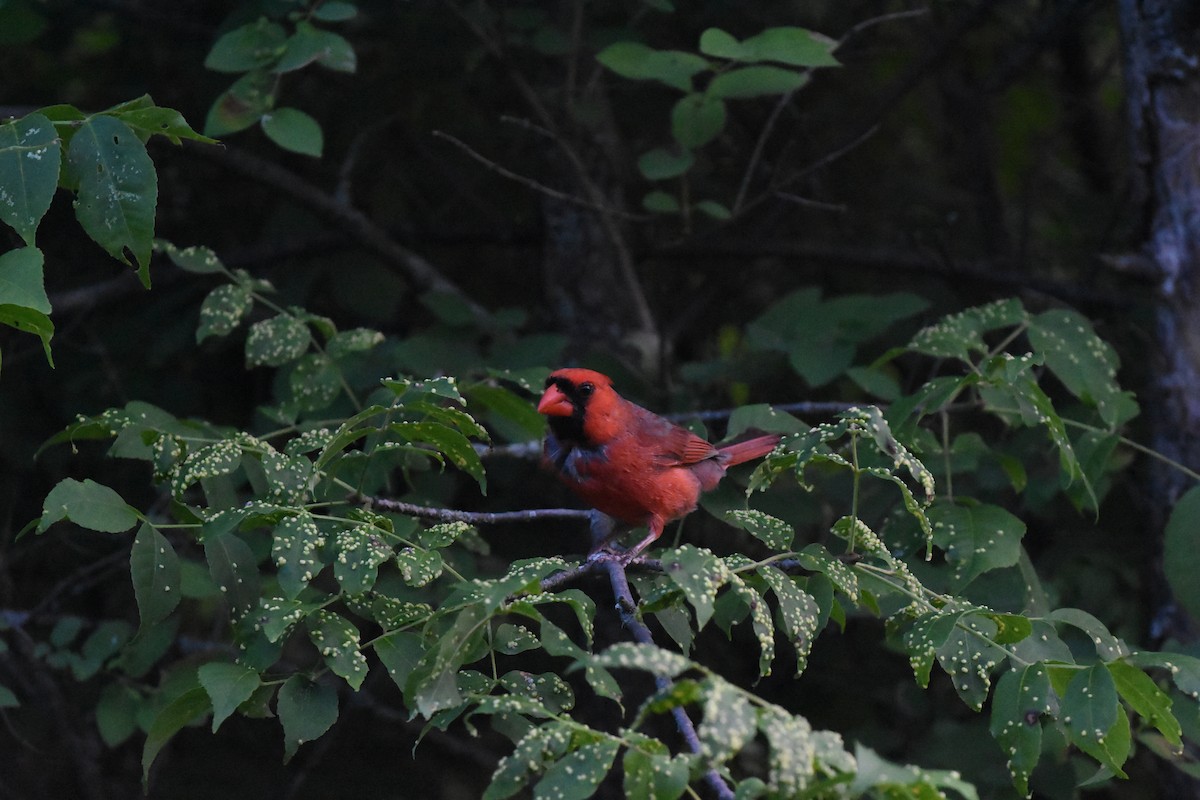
x: 798, y: 611
x: 699, y: 574
x: 276, y: 341
x: 729, y: 721
x: 1094, y: 719
x: 294, y: 551
x: 1022, y: 698
x: 977, y: 538
x: 154, y: 568
x: 223, y: 310
x: 336, y: 639
x: 577, y: 775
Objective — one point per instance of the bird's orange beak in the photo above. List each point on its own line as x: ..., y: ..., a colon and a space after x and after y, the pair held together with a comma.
x: 555, y: 404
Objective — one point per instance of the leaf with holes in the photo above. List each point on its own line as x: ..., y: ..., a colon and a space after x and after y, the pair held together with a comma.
x: 30, y: 154
x: 154, y: 568
x: 118, y: 190
x: 1022, y: 697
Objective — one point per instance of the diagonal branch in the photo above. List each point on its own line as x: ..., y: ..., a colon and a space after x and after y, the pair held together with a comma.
x: 371, y: 236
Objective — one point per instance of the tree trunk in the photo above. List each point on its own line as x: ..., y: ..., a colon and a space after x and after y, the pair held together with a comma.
x: 1161, y: 41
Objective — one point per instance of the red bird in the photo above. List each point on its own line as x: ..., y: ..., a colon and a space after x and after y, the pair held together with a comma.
x: 627, y: 462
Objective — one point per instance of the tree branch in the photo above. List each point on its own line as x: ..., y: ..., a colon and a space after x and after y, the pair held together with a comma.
x: 473, y: 517
x: 628, y: 611
x: 358, y: 225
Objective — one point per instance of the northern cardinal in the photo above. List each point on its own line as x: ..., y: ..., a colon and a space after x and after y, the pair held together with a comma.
x: 627, y: 462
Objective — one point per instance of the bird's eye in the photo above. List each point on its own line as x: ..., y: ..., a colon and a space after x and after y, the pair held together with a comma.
x: 586, y: 389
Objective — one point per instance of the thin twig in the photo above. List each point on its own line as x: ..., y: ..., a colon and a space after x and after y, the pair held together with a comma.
x: 474, y: 517
x: 628, y: 611
x: 535, y: 185
x: 760, y: 145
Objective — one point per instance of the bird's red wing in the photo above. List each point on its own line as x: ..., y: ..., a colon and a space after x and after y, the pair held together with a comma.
x: 673, y: 446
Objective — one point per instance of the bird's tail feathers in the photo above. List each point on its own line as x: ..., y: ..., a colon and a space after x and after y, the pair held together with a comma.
x: 748, y: 449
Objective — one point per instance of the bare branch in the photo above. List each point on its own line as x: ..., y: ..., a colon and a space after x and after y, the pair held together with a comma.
x: 362, y: 228
x: 535, y: 185
x: 474, y: 517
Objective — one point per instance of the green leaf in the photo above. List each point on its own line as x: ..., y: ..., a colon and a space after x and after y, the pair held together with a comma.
x: 360, y: 551
x: 183, y: 710
x: 335, y: 11
x: 798, y: 610
x: 1091, y: 716
x: 146, y: 122
x: 513, y: 417
x: 1022, y: 697
x: 306, y: 710
x: 756, y: 82
x: 729, y: 721
x: 456, y: 447
x: 356, y: 340
x: 118, y: 190
x: 969, y: 656
x: 1150, y: 702
x: 22, y: 282
x: 1181, y: 551
x: 660, y: 202
x: 88, y: 504
x: 223, y: 310
x: 699, y: 574
x: 659, y: 164
x: 654, y: 775
x: 194, y: 259
x: 242, y: 104
x: 774, y: 533
x: 400, y: 652
x: 7, y: 698
x: 253, y: 45
x: 419, y: 567
x: 1108, y: 647
x: 310, y: 43
x: 577, y: 775
x: 294, y: 551
x: 228, y: 686
x: 798, y: 47
x: 961, y: 334
x: 536, y: 749
x: 792, y: 750
x: 154, y: 568
x: 696, y: 119
x: 645, y: 657
x: 30, y: 321
x: 292, y: 129
x: 29, y: 164
x: 116, y: 713
x: 713, y: 209
x: 336, y: 639
x: 634, y: 60
x: 976, y: 538
x: 234, y: 569
x: 1085, y: 363
x: 276, y: 341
